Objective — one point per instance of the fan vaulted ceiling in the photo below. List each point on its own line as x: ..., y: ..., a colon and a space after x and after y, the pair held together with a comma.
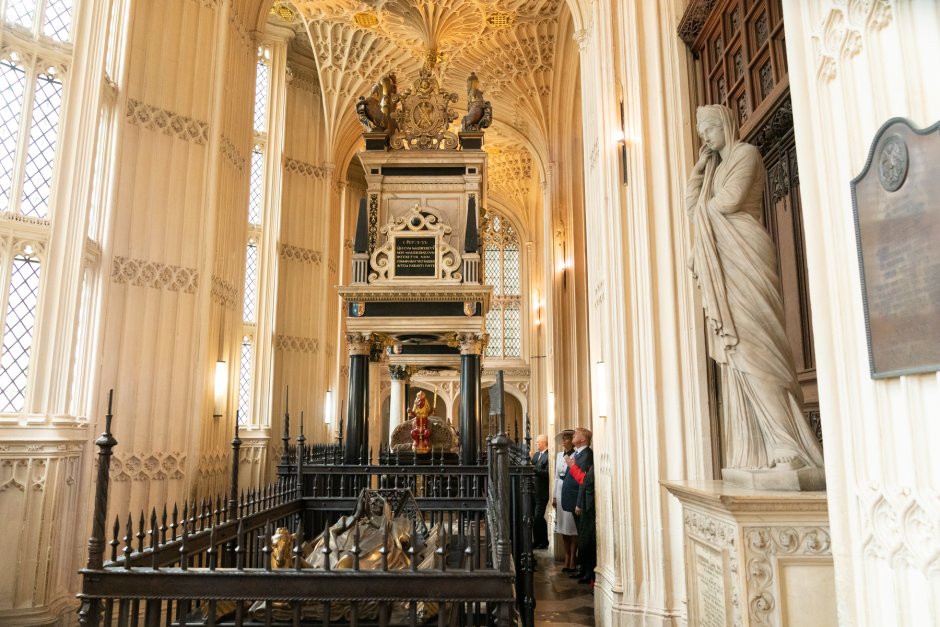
x: 510, y: 44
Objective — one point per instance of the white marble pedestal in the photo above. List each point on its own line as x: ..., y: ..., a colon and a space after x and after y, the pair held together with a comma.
x: 756, y: 558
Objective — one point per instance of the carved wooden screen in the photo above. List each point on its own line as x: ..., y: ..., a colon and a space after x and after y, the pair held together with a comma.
x: 739, y: 53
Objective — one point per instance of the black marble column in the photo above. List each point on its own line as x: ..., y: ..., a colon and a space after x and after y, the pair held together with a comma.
x: 470, y: 347
x: 357, y: 403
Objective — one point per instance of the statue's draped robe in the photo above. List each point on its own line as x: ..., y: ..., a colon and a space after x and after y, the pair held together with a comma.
x: 734, y: 263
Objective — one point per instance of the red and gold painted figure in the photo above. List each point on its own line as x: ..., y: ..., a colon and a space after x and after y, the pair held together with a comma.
x: 421, y: 433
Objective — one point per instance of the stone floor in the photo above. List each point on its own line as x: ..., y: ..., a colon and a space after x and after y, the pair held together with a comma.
x: 559, y: 600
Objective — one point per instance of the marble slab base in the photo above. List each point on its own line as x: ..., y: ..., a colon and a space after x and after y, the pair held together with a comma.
x: 756, y: 558
x: 802, y: 480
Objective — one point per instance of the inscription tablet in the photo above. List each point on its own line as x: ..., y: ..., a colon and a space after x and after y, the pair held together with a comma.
x: 710, y: 587
x: 896, y: 200
x: 415, y: 257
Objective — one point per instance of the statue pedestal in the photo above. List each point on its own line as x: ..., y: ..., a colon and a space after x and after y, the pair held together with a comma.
x: 756, y: 558
x: 376, y: 141
x: 802, y: 479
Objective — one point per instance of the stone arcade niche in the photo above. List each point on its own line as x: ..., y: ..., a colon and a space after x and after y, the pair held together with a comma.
x: 416, y: 301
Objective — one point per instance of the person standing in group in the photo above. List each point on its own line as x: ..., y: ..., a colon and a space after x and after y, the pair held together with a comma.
x: 564, y: 520
x: 587, y: 528
x: 578, y: 465
x: 540, y: 463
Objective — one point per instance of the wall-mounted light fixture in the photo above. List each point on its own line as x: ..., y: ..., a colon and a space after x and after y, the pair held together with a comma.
x: 537, y: 308
x: 563, y: 262
x: 328, y: 407
x: 551, y: 408
x: 623, y: 145
x: 220, y: 388
x: 600, y: 399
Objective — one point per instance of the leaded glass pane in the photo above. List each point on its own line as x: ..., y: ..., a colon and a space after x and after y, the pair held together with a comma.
x: 492, y: 269
x: 512, y: 330
x: 21, y: 12
x: 12, y: 87
x: 261, y: 96
x: 494, y: 326
x: 40, y: 155
x: 18, y: 332
x: 511, y: 282
x: 256, y: 186
x: 244, y: 382
x: 251, y: 282
x: 58, y: 20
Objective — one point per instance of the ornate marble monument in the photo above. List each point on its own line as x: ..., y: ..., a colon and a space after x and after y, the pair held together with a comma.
x: 415, y: 289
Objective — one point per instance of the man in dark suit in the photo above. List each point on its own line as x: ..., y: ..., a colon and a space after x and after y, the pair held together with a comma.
x: 579, y: 463
x: 540, y: 463
x: 581, y: 460
x: 587, y: 528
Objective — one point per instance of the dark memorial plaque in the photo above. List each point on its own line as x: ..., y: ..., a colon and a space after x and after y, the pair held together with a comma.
x: 896, y: 200
x: 416, y: 257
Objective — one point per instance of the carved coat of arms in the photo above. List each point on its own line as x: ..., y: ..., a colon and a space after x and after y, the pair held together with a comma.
x: 423, y: 115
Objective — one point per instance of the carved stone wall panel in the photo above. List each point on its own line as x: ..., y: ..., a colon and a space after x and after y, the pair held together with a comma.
x: 902, y: 527
x: 304, y: 80
x: 763, y: 546
x: 155, y: 274
x: 843, y: 30
x: 148, y: 466
x: 41, y: 513
x: 297, y: 253
x: 232, y: 154
x: 164, y: 121
x: 309, y: 345
x: 296, y: 166
x: 224, y: 292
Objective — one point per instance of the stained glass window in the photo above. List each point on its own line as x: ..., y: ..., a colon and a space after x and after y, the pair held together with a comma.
x: 58, y: 20
x: 244, y: 382
x: 40, y: 154
x: 255, y: 216
x: 20, y: 319
x: 261, y: 94
x: 32, y: 93
x: 502, y: 269
x: 251, y: 282
x: 494, y: 327
x: 21, y: 13
x: 12, y: 89
x: 256, y: 186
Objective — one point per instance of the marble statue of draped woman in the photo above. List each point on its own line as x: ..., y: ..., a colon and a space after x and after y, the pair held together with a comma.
x: 734, y: 263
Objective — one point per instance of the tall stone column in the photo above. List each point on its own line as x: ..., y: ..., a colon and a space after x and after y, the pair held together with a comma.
x: 357, y: 403
x: 471, y: 346
x: 397, y: 410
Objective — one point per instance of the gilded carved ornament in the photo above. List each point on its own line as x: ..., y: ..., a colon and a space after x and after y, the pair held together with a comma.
x: 359, y: 343
x: 422, y: 115
x: 471, y: 343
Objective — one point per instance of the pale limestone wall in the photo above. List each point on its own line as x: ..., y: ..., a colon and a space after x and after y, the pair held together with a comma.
x: 309, y: 219
x: 643, y: 310
x: 175, y: 243
x: 853, y: 65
